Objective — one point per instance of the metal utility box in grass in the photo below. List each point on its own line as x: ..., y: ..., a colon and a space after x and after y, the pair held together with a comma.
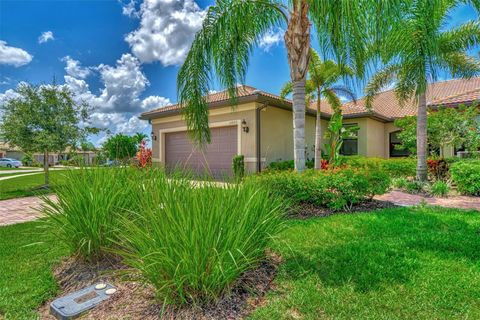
x: 78, y: 302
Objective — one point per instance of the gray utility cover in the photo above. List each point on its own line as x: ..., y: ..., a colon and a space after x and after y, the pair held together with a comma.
x: 74, y: 304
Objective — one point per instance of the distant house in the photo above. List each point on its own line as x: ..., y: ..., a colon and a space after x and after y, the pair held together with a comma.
x: 260, y: 127
x: 6, y: 151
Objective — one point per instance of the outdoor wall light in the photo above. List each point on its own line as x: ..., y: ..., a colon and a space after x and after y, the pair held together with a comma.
x: 154, y: 137
x: 244, y: 126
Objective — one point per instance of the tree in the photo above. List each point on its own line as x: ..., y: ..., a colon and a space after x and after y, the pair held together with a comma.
x: 416, y: 49
x: 323, y: 76
x: 452, y: 127
x: 43, y: 119
x: 232, y: 28
x: 139, y: 137
x: 121, y: 147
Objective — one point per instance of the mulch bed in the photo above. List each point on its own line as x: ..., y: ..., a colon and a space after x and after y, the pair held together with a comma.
x: 135, y: 300
x: 308, y: 210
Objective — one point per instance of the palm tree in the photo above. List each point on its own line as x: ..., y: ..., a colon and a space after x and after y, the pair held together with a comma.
x: 232, y: 28
x: 418, y: 48
x: 321, y: 84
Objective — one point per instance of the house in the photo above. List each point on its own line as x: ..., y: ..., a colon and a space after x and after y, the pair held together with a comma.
x: 6, y: 151
x: 260, y: 127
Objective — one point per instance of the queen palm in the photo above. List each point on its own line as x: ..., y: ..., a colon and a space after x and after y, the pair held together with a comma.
x: 232, y: 28
x: 417, y: 49
x: 322, y: 83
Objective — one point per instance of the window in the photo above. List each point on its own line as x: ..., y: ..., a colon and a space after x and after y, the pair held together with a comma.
x: 350, y: 144
x: 395, y: 141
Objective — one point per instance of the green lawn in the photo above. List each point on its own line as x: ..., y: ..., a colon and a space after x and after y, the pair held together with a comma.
x: 25, y: 271
x: 25, y: 186
x: 392, y: 264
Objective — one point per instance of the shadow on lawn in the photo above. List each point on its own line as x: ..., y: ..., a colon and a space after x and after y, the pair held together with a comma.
x: 386, y: 248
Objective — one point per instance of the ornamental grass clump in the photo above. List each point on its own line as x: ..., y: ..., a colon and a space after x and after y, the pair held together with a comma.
x: 192, y: 243
x: 84, y: 216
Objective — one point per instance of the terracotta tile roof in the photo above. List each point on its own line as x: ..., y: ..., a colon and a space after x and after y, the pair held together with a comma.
x: 448, y: 92
x: 222, y: 96
x: 385, y: 105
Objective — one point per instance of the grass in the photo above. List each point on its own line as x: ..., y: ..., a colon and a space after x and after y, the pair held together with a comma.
x: 24, y: 186
x: 26, y: 279
x: 393, y: 264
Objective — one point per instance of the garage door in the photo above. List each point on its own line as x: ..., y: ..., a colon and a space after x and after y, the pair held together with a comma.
x: 215, y: 160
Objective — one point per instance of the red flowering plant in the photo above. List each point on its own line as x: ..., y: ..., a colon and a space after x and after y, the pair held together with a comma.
x: 144, y: 155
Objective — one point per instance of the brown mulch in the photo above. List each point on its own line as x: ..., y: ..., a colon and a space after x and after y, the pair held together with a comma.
x: 308, y: 210
x: 135, y: 300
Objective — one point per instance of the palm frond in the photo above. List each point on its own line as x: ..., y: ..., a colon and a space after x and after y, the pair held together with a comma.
x: 344, y: 91
x: 286, y: 89
x: 333, y: 99
x: 379, y: 81
x: 464, y: 37
x: 461, y: 65
x: 221, y: 51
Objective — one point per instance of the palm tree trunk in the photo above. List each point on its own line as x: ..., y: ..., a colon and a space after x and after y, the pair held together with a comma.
x: 299, y: 125
x: 45, y: 167
x: 297, y: 42
x: 318, y: 135
x: 422, y: 138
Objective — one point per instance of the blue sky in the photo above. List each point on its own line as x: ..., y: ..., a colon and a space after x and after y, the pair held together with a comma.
x: 120, y: 56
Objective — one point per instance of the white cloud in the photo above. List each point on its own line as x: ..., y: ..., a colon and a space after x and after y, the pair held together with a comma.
x: 46, y: 36
x: 74, y: 69
x: 270, y: 39
x: 119, y: 102
x: 167, y: 29
x: 13, y: 56
x: 130, y: 10
x: 153, y: 102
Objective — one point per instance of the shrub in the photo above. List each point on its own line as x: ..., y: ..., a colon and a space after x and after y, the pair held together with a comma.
x: 414, y: 186
x: 437, y: 169
x: 439, y: 188
x: 400, y: 183
x: 289, y: 164
x: 395, y: 167
x: 191, y: 244
x: 84, y: 217
x: 238, y: 167
x: 336, y: 189
x: 466, y: 176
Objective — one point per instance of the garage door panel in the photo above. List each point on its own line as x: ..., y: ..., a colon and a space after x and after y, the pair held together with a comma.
x: 216, y: 158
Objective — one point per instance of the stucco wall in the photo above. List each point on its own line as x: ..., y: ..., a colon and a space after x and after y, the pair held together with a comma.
x: 376, y: 139
x: 242, y: 112
x: 276, y: 134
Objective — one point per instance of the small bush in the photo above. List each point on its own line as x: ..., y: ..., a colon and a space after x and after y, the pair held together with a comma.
x: 466, y: 176
x: 395, y: 167
x: 414, y: 186
x: 238, y: 167
x: 400, y: 183
x: 85, y: 215
x: 289, y: 165
x: 336, y: 189
x: 439, y: 188
x: 438, y: 169
x: 191, y: 244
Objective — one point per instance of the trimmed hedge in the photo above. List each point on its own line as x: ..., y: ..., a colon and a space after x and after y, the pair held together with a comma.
x: 466, y: 175
x: 335, y: 189
x: 395, y: 168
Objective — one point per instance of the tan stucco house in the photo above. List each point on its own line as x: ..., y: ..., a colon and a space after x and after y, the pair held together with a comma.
x: 260, y: 127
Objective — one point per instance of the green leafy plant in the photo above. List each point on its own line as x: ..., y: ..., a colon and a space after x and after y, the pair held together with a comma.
x: 466, y: 176
x: 191, y: 243
x: 414, y: 186
x: 84, y: 216
x: 238, y: 166
x: 336, y: 189
x: 400, y: 183
x: 440, y: 188
x: 335, y: 134
x: 121, y: 147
